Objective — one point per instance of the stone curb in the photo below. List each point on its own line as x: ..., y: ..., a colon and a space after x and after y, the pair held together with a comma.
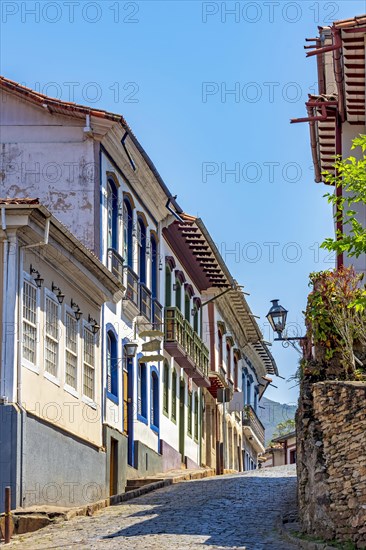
x: 300, y: 543
x: 24, y: 522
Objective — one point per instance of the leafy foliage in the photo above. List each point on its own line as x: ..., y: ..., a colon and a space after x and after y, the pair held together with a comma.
x: 331, y: 319
x: 350, y: 176
x: 285, y: 427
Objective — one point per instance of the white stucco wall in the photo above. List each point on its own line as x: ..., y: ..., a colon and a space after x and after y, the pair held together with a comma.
x: 49, y: 157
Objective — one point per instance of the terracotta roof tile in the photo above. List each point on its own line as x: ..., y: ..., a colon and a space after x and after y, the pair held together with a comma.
x: 72, y: 108
x: 19, y: 201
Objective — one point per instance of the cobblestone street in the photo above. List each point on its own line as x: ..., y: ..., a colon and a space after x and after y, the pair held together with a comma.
x: 232, y: 512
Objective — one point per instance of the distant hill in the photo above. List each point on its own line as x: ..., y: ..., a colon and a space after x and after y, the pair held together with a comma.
x: 274, y: 413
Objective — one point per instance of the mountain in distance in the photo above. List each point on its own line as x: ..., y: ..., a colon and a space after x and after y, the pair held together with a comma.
x: 273, y: 413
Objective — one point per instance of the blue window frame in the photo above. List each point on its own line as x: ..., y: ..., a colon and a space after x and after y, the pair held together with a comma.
x: 112, y: 215
x: 154, y: 400
x: 141, y: 241
x: 112, y: 365
x: 142, y: 393
x: 127, y: 233
x: 154, y: 267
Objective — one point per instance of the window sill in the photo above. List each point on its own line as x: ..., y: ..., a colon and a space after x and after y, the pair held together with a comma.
x: 72, y: 391
x: 89, y: 402
x: 166, y: 413
x: 113, y: 397
x: 30, y: 366
x: 155, y: 429
x: 52, y: 378
x: 142, y: 419
x: 174, y: 420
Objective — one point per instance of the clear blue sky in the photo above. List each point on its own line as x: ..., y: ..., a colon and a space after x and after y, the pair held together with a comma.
x: 168, y: 67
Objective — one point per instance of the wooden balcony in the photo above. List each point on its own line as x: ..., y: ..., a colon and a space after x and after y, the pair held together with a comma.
x: 115, y: 264
x: 145, y: 302
x: 132, y: 286
x: 253, y: 428
x: 184, y: 344
x: 157, y: 315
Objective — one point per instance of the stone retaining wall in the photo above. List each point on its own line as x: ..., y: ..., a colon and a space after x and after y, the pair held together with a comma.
x: 331, y: 430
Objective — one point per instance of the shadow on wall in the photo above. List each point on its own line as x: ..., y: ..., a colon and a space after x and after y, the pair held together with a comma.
x: 228, y: 512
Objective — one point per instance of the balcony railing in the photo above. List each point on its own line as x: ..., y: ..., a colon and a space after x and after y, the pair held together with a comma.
x: 183, y: 343
x: 137, y: 293
x: 251, y: 420
x: 157, y: 317
x: 145, y: 302
x: 115, y: 264
x: 132, y: 286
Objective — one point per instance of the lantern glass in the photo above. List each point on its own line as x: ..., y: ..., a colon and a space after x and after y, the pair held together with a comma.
x: 130, y: 349
x: 277, y: 316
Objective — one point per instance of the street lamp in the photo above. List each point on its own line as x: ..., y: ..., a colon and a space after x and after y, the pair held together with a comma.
x: 130, y: 349
x: 38, y: 280
x: 277, y: 316
x: 95, y: 328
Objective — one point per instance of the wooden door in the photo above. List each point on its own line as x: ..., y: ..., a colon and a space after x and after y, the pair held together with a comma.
x: 113, y: 467
x: 125, y: 402
x: 182, y: 389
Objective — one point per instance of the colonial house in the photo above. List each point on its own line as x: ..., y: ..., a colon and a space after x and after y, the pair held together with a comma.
x: 52, y: 291
x: 88, y: 168
x: 180, y: 342
x: 212, y: 335
x: 336, y: 115
x: 281, y: 452
x: 240, y: 364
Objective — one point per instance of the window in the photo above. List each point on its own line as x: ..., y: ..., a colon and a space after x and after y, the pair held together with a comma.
x: 30, y: 322
x: 236, y: 378
x: 52, y: 336
x: 89, y: 364
x: 255, y: 406
x: 189, y: 427
x: 154, y: 267
x: 187, y: 306
x: 166, y: 389
x: 228, y: 361
x: 141, y: 391
x: 249, y: 396
x: 220, y: 350
x: 127, y: 233
x: 178, y: 294
x: 154, y: 400
x: 112, y: 364
x: 196, y: 325
x: 168, y: 286
x: 71, y: 354
x: 196, y: 416
x: 141, y: 242
x: 112, y: 215
x: 174, y: 395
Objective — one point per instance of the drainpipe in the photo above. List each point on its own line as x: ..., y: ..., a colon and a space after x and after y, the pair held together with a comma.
x: 314, y: 146
x: 5, y: 284
x: 45, y: 237
x: 339, y: 189
x: 338, y: 70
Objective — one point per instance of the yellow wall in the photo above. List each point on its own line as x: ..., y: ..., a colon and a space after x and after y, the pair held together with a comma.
x: 47, y: 397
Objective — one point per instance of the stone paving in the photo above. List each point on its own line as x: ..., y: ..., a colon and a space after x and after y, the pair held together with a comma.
x: 232, y: 512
